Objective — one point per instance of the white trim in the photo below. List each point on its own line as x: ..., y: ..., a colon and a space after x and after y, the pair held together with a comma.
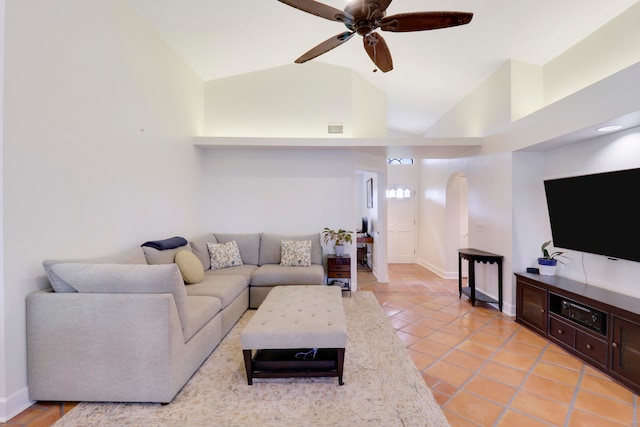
x: 14, y: 404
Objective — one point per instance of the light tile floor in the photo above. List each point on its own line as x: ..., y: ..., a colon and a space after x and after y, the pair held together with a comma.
x: 486, y: 370
x: 483, y: 368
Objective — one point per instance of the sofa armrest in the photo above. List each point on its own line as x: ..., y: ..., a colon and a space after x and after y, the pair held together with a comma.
x: 102, y: 347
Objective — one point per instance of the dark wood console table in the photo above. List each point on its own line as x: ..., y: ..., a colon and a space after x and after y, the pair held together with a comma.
x: 365, y: 240
x: 473, y: 256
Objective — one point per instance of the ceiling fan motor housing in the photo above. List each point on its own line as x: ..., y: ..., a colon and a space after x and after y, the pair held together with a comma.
x: 365, y: 16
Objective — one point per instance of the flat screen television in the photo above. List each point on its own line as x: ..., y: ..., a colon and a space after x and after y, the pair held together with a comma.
x: 596, y: 213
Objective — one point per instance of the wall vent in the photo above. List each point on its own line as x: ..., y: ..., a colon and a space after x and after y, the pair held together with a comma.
x: 335, y: 128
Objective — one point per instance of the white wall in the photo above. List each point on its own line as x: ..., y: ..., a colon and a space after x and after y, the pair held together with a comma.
x: 489, y: 187
x: 295, y: 101
x: 98, y: 156
x: 607, y: 153
x: 257, y: 190
x: 530, y: 217
x: 286, y: 192
x: 485, y: 109
x: 3, y: 323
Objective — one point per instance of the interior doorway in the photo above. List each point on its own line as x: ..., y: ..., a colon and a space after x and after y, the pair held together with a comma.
x: 371, y: 221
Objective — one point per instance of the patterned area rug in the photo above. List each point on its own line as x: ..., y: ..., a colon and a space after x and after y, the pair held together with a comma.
x: 382, y: 388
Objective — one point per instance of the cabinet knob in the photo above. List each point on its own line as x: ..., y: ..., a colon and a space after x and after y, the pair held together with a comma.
x: 614, y: 344
x: 542, y: 310
x: 560, y: 331
x: 589, y: 346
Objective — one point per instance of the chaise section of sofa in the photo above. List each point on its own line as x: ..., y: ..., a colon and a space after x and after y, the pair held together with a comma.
x: 117, y: 332
x: 232, y: 288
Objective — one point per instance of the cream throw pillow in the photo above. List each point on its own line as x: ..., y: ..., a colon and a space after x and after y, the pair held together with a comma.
x: 190, y: 267
x: 224, y: 255
x: 295, y: 253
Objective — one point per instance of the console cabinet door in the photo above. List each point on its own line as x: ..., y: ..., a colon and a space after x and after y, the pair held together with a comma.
x: 625, y: 349
x: 531, y: 305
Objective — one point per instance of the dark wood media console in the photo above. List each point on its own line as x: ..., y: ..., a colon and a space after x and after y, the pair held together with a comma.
x: 597, y: 325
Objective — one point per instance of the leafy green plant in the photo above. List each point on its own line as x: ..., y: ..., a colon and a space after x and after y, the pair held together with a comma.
x: 552, y: 255
x: 339, y: 237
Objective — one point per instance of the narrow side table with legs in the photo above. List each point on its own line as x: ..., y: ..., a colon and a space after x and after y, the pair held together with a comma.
x: 473, y: 256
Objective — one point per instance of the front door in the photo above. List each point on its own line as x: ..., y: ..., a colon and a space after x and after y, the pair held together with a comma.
x: 401, y: 224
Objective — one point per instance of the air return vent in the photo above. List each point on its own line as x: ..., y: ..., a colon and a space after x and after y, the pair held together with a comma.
x: 335, y: 128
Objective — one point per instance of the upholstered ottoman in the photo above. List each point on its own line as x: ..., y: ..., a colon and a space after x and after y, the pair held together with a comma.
x: 298, y: 331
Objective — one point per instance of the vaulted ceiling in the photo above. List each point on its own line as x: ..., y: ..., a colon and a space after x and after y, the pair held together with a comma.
x: 433, y: 70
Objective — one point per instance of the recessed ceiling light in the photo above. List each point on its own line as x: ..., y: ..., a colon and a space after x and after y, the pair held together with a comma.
x: 609, y: 128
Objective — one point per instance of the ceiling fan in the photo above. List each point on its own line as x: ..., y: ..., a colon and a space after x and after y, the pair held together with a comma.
x: 364, y: 17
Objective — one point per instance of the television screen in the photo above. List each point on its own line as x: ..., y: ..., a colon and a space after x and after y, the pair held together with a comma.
x: 596, y: 213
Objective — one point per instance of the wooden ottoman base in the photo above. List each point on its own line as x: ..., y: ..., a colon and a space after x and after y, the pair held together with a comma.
x: 283, y: 363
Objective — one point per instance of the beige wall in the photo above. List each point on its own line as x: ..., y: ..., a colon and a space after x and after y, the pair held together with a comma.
x: 603, y: 53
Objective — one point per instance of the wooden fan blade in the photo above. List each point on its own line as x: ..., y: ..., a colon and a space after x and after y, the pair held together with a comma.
x: 378, y: 51
x: 319, y: 9
x: 420, y: 21
x: 383, y: 4
x: 325, y: 46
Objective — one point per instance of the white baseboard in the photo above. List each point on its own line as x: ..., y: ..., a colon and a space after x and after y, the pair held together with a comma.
x: 439, y: 271
x: 14, y: 404
x: 507, y: 308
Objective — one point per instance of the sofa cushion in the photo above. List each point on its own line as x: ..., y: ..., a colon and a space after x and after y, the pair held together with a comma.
x: 190, y: 267
x: 201, y: 250
x: 126, y: 278
x: 224, y: 287
x: 249, y: 245
x: 224, y: 255
x: 270, y: 247
x: 201, y: 310
x: 275, y: 274
x: 130, y: 256
x: 296, y: 253
x: 244, y: 270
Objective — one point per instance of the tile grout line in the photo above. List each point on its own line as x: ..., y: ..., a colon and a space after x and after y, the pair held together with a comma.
x: 548, y: 346
x: 488, y: 359
x: 475, y: 372
x: 519, y: 389
x: 575, y: 395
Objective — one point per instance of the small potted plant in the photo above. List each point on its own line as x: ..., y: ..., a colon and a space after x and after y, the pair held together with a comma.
x: 548, y: 261
x: 340, y: 237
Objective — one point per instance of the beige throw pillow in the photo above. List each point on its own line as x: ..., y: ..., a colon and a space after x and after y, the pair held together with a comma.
x: 190, y: 267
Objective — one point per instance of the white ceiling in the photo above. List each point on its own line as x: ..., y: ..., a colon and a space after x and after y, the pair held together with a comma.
x: 433, y: 70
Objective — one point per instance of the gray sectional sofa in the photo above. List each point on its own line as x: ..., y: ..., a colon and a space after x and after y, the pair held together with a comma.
x: 135, y: 326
